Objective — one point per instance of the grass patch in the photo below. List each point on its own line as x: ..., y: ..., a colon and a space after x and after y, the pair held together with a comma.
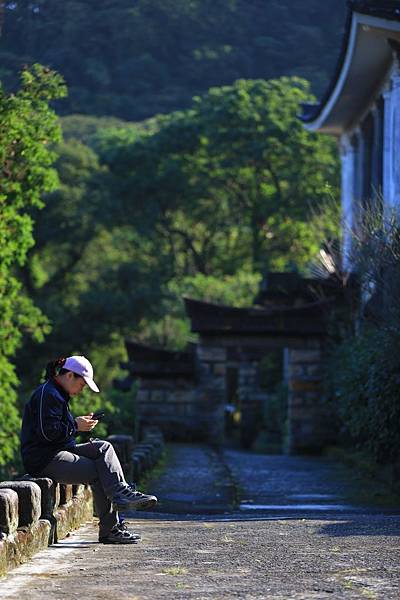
x: 175, y: 571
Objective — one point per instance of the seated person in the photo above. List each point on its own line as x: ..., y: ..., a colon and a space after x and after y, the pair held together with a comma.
x: 49, y: 448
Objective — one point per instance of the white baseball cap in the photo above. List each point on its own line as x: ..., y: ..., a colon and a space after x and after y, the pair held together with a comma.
x: 81, y: 366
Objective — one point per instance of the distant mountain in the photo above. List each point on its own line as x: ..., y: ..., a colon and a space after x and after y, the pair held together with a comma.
x: 134, y: 58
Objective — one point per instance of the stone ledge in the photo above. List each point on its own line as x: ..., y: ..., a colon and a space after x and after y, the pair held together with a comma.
x: 71, y: 515
x: 36, y: 512
x: 8, y: 511
x: 29, y: 500
x: 19, y: 547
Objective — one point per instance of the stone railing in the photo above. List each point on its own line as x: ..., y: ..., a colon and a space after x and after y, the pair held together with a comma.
x: 37, y: 512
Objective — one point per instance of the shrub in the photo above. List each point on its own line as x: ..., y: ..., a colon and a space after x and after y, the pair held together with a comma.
x: 363, y: 378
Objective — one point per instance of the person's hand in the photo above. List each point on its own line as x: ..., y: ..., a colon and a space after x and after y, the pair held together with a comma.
x: 86, y: 423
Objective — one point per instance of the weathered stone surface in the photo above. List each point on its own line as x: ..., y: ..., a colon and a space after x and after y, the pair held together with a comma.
x: 182, y: 396
x: 29, y: 500
x: 25, y: 542
x: 137, y: 467
x: 313, y: 370
x: 48, y: 494
x: 220, y: 369
x: 77, y: 490
x: 145, y: 457
x: 301, y: 385
x: 157, y: 396
x: 304, y: 356
x: 297, y: 370
x: 142, y: 396
x: 211, y: 353
x: 57, y: 495
x: 140, y: 458
x: 71, y: 515
x: 65, y: 493
x: 250, y: 554
x: 8, y: 510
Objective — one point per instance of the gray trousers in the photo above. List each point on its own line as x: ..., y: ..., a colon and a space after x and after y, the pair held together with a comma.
x: 95, y: 463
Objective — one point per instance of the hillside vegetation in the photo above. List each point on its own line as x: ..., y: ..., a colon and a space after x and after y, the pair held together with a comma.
x: 135, y: 58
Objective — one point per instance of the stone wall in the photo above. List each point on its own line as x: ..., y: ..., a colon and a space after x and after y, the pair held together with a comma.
x: 211, y: 391
x: 169, y: 404
x: 37, y: 512
x: 191, y: 409
x: 307, y: 416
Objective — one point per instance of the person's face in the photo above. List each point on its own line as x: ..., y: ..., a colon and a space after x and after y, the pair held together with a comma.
x: 72, y: 383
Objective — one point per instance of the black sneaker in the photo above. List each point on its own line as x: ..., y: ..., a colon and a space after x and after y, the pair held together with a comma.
x: 131, y: 497
x: 120, y: 534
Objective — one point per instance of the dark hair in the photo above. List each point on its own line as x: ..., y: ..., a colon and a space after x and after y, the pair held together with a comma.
x: 56, y: 367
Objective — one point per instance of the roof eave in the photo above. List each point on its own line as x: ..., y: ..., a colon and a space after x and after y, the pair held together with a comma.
x: 336, y: 114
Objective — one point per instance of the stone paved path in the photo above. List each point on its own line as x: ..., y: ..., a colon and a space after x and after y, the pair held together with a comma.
x: 197, y: 481
x: 299, y: 486
x: 342, y: 552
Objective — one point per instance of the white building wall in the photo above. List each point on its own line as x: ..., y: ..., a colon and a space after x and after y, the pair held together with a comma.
x: 349, y: 216
x: 391, y: 147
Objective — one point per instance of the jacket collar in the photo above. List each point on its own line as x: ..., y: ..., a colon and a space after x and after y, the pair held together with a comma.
x: 60, y: 389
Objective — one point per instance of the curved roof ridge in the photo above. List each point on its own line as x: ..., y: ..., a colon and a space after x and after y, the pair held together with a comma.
x: 386, y: 9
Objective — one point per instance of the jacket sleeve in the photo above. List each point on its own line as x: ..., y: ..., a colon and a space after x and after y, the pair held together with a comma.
x: 50, y: 424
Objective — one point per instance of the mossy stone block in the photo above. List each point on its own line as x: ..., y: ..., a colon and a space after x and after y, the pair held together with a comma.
x: 8, y: 510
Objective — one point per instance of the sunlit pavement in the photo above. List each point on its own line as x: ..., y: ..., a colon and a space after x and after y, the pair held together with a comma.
x: 293, y: 534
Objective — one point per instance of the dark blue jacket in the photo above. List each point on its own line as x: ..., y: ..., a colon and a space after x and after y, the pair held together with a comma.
x: 47, y: 426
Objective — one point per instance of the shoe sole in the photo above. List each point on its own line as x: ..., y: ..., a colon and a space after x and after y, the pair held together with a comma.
x: 137, y: 504
x: 121, y: 542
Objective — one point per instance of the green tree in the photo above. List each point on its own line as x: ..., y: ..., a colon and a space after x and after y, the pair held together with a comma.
x: 229, y: 184
x: 222, y: 192
x: 94, y: 277
x: 28, y: 128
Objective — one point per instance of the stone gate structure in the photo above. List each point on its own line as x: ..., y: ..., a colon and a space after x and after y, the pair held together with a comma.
x: 237, y: 339
x: 186, y: 393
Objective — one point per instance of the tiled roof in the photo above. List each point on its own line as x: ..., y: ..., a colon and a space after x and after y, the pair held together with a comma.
x: 210, y: 319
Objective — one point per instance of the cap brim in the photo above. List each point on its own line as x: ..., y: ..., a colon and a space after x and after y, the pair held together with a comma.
x: 91, y: 384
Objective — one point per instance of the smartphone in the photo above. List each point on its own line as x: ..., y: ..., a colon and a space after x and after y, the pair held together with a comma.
x: 99, y: 414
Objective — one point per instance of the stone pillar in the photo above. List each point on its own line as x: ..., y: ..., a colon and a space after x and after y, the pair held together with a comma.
x: 249, y: 398
x: 391, y: 156
x: 347, y: 153
x: 211, y: 391
x: 306, y: 422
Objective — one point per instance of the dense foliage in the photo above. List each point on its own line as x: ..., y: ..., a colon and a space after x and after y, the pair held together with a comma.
x: 364, y: 376
x: 134, y: 59
x: 363, y: 371
x: 27, y: 128
x: 198, y: 201
x: 195, y: 203
x: 230, y: 183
